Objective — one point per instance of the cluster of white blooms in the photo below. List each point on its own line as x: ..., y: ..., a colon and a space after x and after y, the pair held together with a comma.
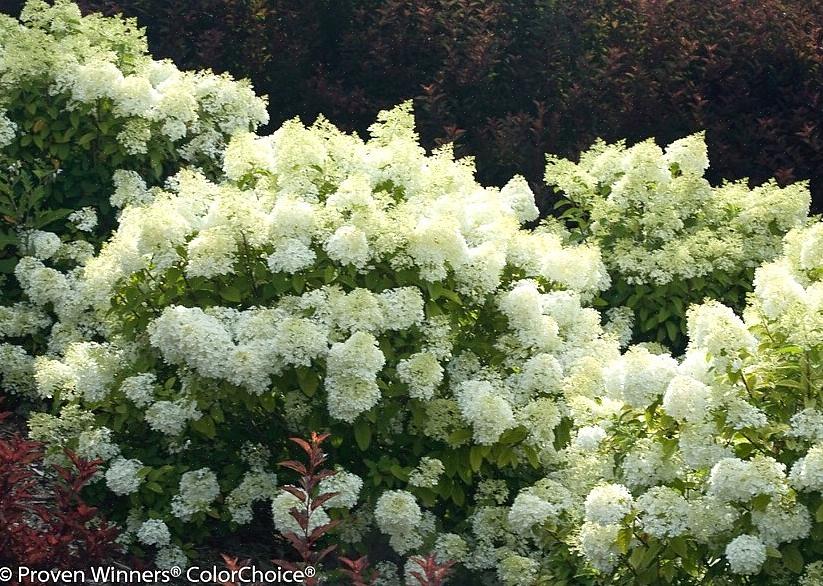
x: 427, y: 473
x: 598, y: 543
x: 39, y: 244
x: 398, y: 515
x: 93, y: 60
x: 807, y: 472
x: 664, y: 512
x: 154, y: 532
x: 608, y: 504
x: 717, y: 331
x: 545, y: 501
x: 170, y: 417
x: 122, y: 476
x: 488, y: 413
x: 198, y: 490
x: 282, y: 506
x: 515, y: 570
x: 22, y: 319
x: 346, y: 485
x: 351, y: 376
x: 171, y: 557
x: 638, y: 377
x: 139, y: 389
x: 95, y: 444
x: 84, y: 219
x: 255, y: 486
x: 8, y: 130
x: 662, y: 221
x: 745, y: 554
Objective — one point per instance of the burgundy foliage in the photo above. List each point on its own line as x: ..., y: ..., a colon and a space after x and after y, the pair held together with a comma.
x: 45, y: 523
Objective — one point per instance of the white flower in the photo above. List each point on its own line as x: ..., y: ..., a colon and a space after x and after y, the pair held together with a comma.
x: 517, y: 570
x: 255, y: 486
x: 198, y: 489
x: 96, y: 444
x: 170, y: 417
x: 122, y: 476
x: 346, y: 484
x: 139, y: 389
x: 84, y: 219
x: 598, y: 543
x: 40, y: 244
x: 351, y: 370
x: 589, y: 437
x: 171, y: 557
x: 427, y: 473
x: 422, y: 372
x: 639, y: 377
x: 398, y: 516
x: 488, y: 413
x: 608, y: 504
x: 349, y: 246
x: 781, y: 523
x: 154, y: 532
x: 746, y: 554
x: 807, y: 472
x: 733, y: 479
x: 8, y: 130
x: 284, y: 521
x: 687, y: 399
x: 663, y: 512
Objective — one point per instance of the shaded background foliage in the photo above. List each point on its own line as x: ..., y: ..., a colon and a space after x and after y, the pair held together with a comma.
x: 510, y: 81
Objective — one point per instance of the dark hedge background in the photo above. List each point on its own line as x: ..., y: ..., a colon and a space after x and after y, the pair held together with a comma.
x: 509, y: 80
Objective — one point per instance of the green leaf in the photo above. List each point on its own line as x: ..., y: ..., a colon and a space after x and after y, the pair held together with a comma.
x: 459, y: 436
x: 308, y: 380
x: 624, y: 539
x: 671, y: 330
x: 231, y: 293
x: 476, y: 458
x: 793, y: 559
x: 679, y: 546
x: 513, y: 436
x: 818, y: 516
x: 205, y: 426
x: 86, y: 138
x: 362, y: 434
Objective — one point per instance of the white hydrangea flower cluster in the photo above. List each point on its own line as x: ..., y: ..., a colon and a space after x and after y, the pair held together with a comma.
x: 346, y: 485
x: 122, y: 476
x: 427, y: 473
x: 664, y: 222
x: 720, y: 448
x: 84, y: 219
x: 93, y: 60
x: 154, y: 532
x: 255, y: 486
x: 94, y: 444
x: 170, y: 417
x: 198, y: 490
x: 399, y: 516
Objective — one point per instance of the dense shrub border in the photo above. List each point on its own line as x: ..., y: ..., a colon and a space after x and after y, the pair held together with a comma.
x: 482, y: 418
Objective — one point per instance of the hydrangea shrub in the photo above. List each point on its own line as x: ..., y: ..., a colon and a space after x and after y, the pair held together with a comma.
x: 707, y: 469
x: 329, y: 284
x: 80, y: 98
x: 671, y: 238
